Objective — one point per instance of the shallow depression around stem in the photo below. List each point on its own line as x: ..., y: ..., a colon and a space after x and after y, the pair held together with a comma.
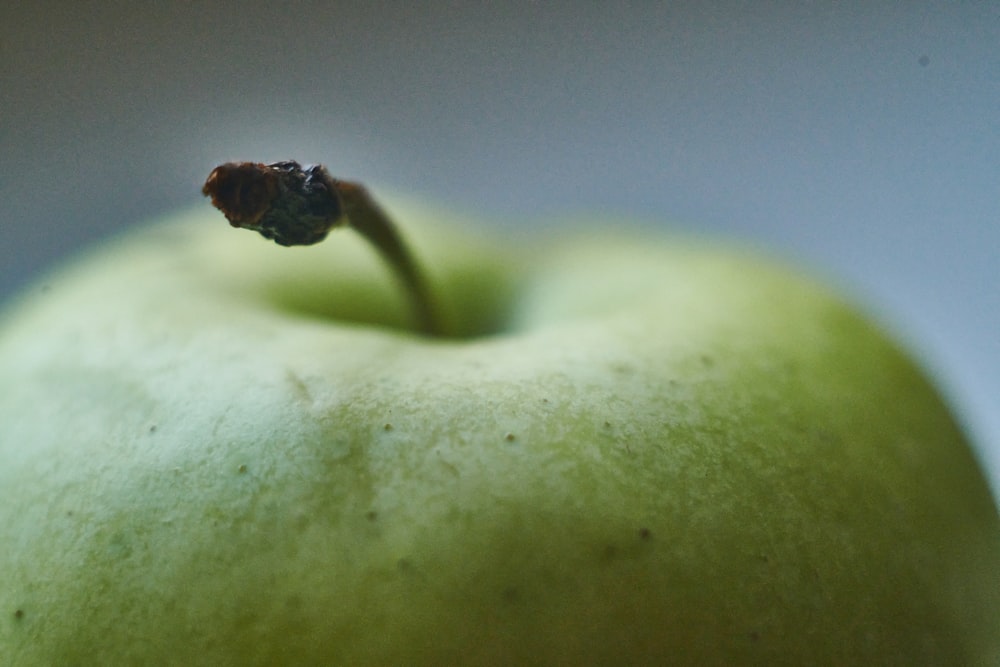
x: 296, y: 206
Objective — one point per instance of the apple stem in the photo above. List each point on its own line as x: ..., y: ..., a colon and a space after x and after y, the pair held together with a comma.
x: 368, y: 219
x: 292, y: 205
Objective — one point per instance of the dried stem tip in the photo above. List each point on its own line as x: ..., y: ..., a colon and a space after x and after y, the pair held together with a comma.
x: 282, y: 201
x: 296, y: 205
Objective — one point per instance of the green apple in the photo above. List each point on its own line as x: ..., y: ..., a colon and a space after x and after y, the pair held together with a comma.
x: 628, y: 450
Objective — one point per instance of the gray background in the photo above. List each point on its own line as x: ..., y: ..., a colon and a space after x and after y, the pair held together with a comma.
x: 859, y: 138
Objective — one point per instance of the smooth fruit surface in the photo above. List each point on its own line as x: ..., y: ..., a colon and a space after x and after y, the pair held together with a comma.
x: 215, y: 451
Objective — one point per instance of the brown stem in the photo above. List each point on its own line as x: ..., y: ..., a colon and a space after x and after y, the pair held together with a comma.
x: 293, y: 205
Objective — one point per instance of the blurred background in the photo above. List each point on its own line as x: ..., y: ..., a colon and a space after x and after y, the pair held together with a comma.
x: 860, y: 138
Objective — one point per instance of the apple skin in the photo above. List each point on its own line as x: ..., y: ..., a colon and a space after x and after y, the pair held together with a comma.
x: 215, y: 451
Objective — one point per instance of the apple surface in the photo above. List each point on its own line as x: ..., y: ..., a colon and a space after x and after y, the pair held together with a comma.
x: 628, y: 450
